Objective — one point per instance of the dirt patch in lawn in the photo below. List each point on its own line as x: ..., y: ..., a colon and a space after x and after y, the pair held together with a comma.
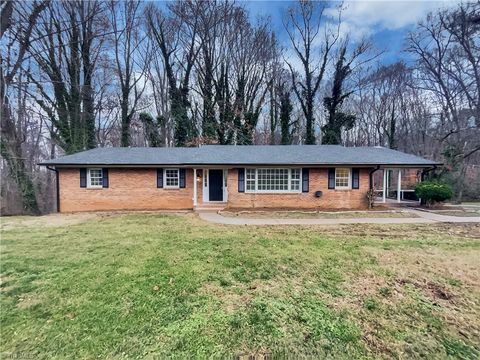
x: 53, y: 220
x: 28, y: 302
x: 60, y: 219
x: 432, y: 285
x: 389, y: 231
x: 6, y: 283
x: 462, y: 265
x: 450, y: 282
x: 294, y: 214
x: 240, y: 295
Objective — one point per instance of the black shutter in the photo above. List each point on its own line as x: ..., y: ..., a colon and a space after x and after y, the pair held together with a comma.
x: 182, y: 178
x: 159, y: 178
x: 105, y: 177
x: 355, y: 178
x: 241, y: 180
x: 305, y: 179
x: 331, y: 178
x: 83, y: 178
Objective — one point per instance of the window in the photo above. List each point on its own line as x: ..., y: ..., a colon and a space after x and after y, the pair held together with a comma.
x: 272, y: 180
x: 95, y: 178
x: 250, y: 177
x: 171, y: 178
x: 295, y: 180
x: 342, y: 178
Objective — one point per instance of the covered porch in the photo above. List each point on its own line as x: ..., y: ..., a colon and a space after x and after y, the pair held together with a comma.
x: 396, y: 186
x: 210, y: 191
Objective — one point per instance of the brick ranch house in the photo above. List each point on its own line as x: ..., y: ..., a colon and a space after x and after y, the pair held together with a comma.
x: 225, y: 176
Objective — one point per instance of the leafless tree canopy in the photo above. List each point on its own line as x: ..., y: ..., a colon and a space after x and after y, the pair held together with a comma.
x: 82, y: 74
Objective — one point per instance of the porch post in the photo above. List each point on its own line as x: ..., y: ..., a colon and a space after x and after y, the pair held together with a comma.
x: 384, y: 194
x: 399, y: 186
x: 194, y: 187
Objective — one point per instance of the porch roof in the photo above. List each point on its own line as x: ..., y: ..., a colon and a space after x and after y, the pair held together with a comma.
x: 243, y: 155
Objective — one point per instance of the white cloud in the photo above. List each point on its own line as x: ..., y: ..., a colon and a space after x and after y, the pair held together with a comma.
x: 365, y: 17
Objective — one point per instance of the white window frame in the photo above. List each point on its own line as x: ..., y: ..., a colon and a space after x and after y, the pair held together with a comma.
x: 89, y: 179
x: 165, y: 178
x: 289, y: 191
x: 349, y: 186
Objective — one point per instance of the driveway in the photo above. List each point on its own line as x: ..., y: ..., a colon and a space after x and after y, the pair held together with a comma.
x: 423, y: 217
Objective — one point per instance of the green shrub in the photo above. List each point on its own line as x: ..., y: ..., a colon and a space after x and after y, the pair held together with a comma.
x: 433, y: 191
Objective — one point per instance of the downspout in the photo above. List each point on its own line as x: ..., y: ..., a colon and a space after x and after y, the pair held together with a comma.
x: 425, y: 171
x: 57, y: 186
x: 370, y: 176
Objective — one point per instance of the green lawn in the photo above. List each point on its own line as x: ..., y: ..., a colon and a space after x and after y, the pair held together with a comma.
x: 152, y: 285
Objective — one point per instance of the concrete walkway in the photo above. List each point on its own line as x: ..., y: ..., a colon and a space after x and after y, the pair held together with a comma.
x: 424, y: 217
x: 444, y: 218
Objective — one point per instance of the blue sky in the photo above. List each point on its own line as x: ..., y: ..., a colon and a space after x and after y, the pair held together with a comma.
x: 385, y: 22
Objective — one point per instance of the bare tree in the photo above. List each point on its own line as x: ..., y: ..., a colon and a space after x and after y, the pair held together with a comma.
x: 391, y: 111
x: 159, y: 83
x: 18, y: 21
x: 250, y: 64
x: 132, y: 58
x: 70, y: 42
x: 346, y: 64
x: 304, y: 25
x: 176, y: 42
x: 447, y: 51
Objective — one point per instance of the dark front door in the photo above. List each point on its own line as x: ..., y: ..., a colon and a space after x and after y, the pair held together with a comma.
x: 215, y: 185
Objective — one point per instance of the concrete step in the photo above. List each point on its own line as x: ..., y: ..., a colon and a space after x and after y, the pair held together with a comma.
x: 211, y: 206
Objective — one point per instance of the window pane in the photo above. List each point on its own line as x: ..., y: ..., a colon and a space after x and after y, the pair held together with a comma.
x: 295, y: 180
x: 96, y: 177
x: 342, y: 177
x: 250, y: 179
x: 171, y: 177
x: 272, y: 179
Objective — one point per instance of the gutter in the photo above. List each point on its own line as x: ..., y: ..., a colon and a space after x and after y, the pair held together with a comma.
x: 219, y: 165
x: 57, y: 185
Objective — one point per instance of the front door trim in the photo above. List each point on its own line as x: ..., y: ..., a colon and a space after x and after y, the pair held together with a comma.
x: 206, y: 186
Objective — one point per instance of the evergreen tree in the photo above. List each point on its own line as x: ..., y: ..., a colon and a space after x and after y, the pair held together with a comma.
x: 152, y: 128
x: 225, y: 109
x: 285, y: 114
x: 337, y: 119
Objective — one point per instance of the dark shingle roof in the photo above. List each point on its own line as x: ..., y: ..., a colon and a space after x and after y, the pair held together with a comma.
x: 243, y: 155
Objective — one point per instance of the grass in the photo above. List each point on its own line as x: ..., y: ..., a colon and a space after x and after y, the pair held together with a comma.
x: 317, y: 214
x: 154, y: 285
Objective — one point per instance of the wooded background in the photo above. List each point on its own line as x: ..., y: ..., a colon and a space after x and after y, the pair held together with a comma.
x: 82, y: 74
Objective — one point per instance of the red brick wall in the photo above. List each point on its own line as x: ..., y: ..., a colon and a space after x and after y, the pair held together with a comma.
x: 330, y: 199
x: 136, y: 189
x: 129, y: 189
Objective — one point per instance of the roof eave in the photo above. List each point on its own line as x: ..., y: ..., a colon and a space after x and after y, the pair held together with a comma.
x: 384, y: 165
